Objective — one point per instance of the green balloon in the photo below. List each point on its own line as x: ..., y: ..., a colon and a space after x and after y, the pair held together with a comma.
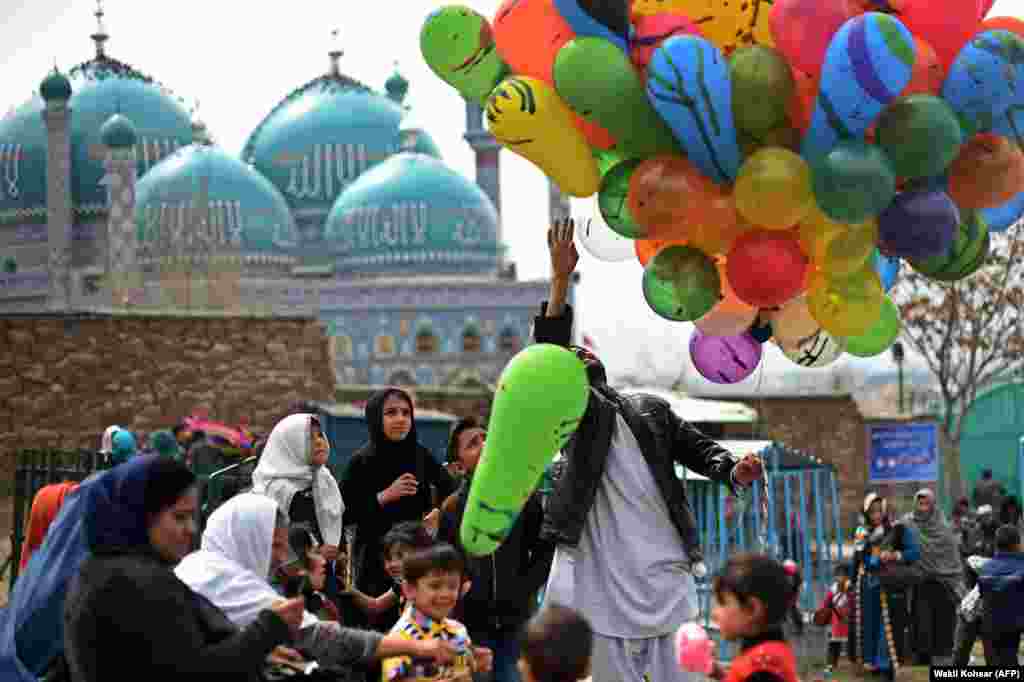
x: 883, y: 332
x: 681, y: 283
x: 920, y: 134
x: 613, y: 200
x: 541, y: 397
x: 598, y: 82
x: 606, y: 159
x: 964, y: 256
x: 458, y: 46
x: 762, y: 86
x: 853, y: 182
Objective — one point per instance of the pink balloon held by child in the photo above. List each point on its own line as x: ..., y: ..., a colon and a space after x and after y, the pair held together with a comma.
x: 694, y: 649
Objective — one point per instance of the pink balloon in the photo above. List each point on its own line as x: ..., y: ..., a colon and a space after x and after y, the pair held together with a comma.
x: 694, y: 648
x: 803, y: 29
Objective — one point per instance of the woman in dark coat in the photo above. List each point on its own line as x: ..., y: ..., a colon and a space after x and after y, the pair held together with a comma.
x: 878, y: 617
x: 391, y: 479
x: 128, y: 614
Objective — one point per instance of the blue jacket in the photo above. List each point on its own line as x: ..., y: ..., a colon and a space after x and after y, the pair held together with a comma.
x: 1002, y: 588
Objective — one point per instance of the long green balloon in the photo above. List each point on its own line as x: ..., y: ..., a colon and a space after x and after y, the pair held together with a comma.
x: 598, y: 82
x: 541, y: 398
x: 458, y: 45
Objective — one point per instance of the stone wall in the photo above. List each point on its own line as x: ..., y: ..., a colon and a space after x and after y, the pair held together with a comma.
x: 64, y: 379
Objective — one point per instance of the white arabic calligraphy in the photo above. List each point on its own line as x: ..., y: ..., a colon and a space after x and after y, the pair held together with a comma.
x: 327, y: 169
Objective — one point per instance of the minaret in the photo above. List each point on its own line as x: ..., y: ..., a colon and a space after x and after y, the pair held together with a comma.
x: 488, y: 172
x: 122, y: 268
x: 56, y: 91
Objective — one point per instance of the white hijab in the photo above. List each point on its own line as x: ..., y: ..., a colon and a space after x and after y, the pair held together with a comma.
x: 232, y: 566
x: 107, y: 442
x: 284, y: 470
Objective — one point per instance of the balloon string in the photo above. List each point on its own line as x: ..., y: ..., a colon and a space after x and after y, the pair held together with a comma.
x: 763, y: 535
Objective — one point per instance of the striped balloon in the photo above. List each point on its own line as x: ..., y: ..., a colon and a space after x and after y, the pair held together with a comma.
x: 985, y: 85
x: 868, y: 63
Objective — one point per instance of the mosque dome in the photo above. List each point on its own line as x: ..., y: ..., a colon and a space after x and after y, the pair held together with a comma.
x: 323, y: 136
x: 239, y: 211
x: 100, y: 88
x: 55, y: 86
x: 118, y: 132
x: 412, y: 212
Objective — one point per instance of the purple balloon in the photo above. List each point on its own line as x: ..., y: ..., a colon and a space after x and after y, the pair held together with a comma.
x: 918, y: 224
x: 725, y: 359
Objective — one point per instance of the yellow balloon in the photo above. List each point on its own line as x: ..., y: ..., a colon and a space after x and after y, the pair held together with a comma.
x: 846, y: 306
x: 729, y: 24
x: 529, y: 119
x: 793, y: 322
x: 850, y: 249
x: 815, y: 232
x: 773, y: 189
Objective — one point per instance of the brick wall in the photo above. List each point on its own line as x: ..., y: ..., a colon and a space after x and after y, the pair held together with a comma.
x: 63, y: 380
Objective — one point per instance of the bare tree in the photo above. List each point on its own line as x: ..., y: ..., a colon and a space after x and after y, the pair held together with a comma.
x: 970, y: 332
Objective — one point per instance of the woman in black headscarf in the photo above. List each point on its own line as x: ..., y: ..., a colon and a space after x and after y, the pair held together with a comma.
x: 389, y: 480
x: 126, y: 612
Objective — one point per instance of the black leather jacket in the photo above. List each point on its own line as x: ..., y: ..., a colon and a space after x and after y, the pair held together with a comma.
x: 664, y: 440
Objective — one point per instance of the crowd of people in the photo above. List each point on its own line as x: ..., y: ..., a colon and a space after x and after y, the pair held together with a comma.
x: 276, y: 582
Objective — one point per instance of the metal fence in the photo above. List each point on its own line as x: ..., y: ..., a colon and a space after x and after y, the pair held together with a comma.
x: 36, y: 468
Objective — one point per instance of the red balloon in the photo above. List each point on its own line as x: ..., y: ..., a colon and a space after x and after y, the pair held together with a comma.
x: 947, y: 30
x: 803, y: 101
x: 649, y: 31
x: 1011, y: 24
x: 928, y: 74
x: 802, y: 30
x: 766, y: 268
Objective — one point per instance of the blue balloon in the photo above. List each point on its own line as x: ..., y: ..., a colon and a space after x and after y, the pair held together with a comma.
x: 688, y: 85
x: 583, y: 24
x: 888, y: 269
x: 1000, y: 218
x: 868, y: 63
x: 983, y: 79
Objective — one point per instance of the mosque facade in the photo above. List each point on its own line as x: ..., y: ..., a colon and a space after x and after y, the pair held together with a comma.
x: 114, y: 200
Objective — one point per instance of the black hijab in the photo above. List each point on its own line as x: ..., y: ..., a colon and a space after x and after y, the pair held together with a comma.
x: 379, y: 443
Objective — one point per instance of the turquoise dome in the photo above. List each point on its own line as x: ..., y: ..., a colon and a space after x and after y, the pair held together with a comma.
x: 322, y: 137
x: 418, y: 141
x: 247, y: 213
x: 55, y: 86
x: 101, y: 88
x: 118, y: 132
x: 414, y: 213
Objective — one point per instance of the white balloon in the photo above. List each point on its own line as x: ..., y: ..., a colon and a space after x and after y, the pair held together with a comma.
x: 601, y: 241
x: 819, y: 349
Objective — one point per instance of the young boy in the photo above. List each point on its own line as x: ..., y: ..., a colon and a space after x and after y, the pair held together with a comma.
x: 1002, y: 588
x: 432, y: 579
x: 401, y: 541
x: 557, y: 645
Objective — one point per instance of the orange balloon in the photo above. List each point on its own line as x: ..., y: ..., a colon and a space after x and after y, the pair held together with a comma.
x: 804, y: 100
x: 528, y: 35
x: 647, y: 248
x: 668, y: 189
x: 1011, y: 24
x: 989, y: 171
x: 717, y: 240
x: 928, y: 75
x: 730, y: 316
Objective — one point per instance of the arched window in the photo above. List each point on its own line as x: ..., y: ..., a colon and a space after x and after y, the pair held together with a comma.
x: 471, y: 339
x: 509, y: 341
x: 426, y: 340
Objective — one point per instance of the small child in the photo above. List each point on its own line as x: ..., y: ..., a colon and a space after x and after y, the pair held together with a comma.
x: 557, y: 645
x: 432, y: 580
x: 753, y: 595
x: 401, y: 541
x: 837, y: 601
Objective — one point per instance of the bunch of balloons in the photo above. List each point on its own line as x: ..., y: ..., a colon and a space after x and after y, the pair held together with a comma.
x: 770, y: 164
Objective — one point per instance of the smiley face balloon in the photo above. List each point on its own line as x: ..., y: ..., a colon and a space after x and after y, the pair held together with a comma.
x: 458, y: 46
x: 527, y: 117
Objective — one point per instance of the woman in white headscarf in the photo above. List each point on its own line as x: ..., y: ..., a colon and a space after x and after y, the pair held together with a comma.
x: 293, y: 472
x: 247, y: 536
